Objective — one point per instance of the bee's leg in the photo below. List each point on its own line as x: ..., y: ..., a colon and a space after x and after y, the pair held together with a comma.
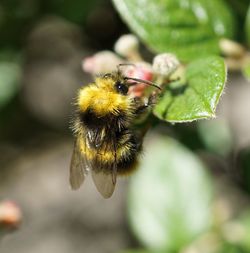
x: 142, y: 106
x: 153, y: 98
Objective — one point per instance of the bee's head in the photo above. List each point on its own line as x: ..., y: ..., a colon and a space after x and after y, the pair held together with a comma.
x: 116, y: 82
x: 113, y: 82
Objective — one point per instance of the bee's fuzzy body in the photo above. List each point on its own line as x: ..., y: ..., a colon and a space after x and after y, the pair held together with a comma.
x: 105, y: 123
x: 104, y: 129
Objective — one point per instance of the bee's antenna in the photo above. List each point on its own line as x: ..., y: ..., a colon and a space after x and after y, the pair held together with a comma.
x: 137, y: 80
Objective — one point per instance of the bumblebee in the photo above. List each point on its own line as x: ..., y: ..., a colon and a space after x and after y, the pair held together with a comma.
x: 106, y: 142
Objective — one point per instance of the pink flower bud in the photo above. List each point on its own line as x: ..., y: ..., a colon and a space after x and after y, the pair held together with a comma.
x: 142, y: 71
x: 101, y: 62
x: 10, y: 215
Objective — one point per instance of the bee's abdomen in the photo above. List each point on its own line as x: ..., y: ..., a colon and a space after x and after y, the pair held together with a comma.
x: 128, y: 153
x: 123, y: 155
x: 129, y: 160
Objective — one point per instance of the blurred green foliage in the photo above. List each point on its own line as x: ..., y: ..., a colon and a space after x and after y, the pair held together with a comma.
x: 247, y: 26
x: 244, y: 164
x: 10, y: 75
x: 246, y: 71
x: 172, y: 200
x: 76, y: 12
x: 217, y: 136
x: 170, y: 196
x: 17, y: 17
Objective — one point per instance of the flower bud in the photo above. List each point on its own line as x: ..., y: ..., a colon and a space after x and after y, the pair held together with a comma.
x: 143, y: 71
x: 10, y: 215
x: 128, y: 47
x: 165, y: 64
x: 101, y: 62
x: 231, y: 48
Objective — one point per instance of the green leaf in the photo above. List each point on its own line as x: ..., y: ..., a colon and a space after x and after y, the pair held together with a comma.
x: 247, y: 26
x: 169, y: 197
x: 10, y: 75
x: 181, y: 27
x: 198, y: 96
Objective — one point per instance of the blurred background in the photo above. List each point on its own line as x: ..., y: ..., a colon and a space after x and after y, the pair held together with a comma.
x: 204, y: 166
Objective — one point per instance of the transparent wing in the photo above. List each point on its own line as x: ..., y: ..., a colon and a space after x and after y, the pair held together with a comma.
x: 104, y: 182
x: 78, y: 167
x: 95, y: 138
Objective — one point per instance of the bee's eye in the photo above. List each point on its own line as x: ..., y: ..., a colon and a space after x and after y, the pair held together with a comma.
x: 121, y: 88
